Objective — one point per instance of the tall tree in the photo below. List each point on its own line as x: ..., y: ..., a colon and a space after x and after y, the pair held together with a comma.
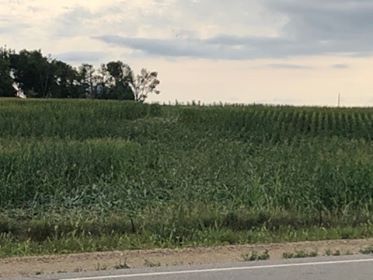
x: 120, y: 72
x: 86, y: 77
x: 144, y: 84
x: 65, y: 83
x: 121, y: 76
x: 6, y: 89
x: 39, y: 76
x: 33, y: 72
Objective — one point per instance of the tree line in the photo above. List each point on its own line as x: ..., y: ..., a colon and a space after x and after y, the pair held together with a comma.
x: 39, y: 76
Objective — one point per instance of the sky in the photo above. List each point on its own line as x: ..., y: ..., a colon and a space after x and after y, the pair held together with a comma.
x: 296, y: 52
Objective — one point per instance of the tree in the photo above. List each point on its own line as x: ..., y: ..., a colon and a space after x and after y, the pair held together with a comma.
x: 86, y: 78
x: 144, y: 84
x: 32, y: 72
x: 41, y: 76
x: 120, y: 72
x: 120, y: 78
x: 6, y: 89
x: 65, y: 82
x: 128, y: 87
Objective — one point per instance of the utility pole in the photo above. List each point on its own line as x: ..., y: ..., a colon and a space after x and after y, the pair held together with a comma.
x: 339, y: 100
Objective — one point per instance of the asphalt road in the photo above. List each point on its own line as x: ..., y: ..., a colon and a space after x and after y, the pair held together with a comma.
x: 334, y: 268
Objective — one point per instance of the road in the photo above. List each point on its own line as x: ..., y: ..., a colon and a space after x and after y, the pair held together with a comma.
x: 333, y: 268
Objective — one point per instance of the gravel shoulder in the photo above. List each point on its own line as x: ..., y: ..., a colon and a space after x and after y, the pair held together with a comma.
x: 87, y: 262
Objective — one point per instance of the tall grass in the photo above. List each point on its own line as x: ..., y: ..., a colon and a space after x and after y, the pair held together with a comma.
x: 174, y: 174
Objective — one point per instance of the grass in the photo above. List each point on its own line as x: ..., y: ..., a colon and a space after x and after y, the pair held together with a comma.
x: 300, y: 254
x: 329, y: 252
x: 255, y: 256
x: 91, y: 176
x: 367, y: 250
x: 148, y: 263
x: 86, y: 242
x: 122, y: 264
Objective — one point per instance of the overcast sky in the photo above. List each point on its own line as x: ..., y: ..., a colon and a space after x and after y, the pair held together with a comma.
x: 238, y: 51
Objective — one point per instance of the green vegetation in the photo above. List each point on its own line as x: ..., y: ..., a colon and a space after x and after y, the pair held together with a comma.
x: 93, y: 176
x: 122, y: 265
x: 300, y: 254
x: 255, y: 256
x: 31, y: 74
x: 329, y: 252
x: 148, y: 263
x: 367, y: 250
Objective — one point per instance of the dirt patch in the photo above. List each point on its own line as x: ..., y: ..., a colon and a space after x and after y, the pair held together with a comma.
x: 10, y: 267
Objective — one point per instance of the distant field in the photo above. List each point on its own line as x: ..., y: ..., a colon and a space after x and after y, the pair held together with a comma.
x: 91, y: 175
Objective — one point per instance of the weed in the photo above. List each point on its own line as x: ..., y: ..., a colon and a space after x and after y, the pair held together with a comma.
x: 367, y: 251
x: 101, y: 267
x: 329, y: 252
x: 255, y: 256
x: 122, y: 265
x: 149, y: 263
x: 300, y: 254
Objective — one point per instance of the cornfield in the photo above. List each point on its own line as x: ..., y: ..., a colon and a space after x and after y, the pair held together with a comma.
x: 113, y: 167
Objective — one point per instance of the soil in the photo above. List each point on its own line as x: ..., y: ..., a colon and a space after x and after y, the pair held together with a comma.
x: 28, y: 266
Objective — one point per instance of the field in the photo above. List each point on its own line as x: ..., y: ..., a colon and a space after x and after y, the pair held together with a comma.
x: 92, y: 176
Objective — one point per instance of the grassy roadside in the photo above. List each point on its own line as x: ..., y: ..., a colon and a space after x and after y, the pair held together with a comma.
x: 10, y: 247
x: 59, y: 234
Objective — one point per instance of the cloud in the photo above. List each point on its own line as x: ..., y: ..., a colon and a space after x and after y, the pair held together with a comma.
x: 168, y: 47
x: 232, y: 47
x: 340, y: 66
x: 211, y: 29
x: 315, y: 27
x: 220, y: 47
x: 81, y: 56
x: 9, y: 26
x: 288, y: 66
x: 72, y: 22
